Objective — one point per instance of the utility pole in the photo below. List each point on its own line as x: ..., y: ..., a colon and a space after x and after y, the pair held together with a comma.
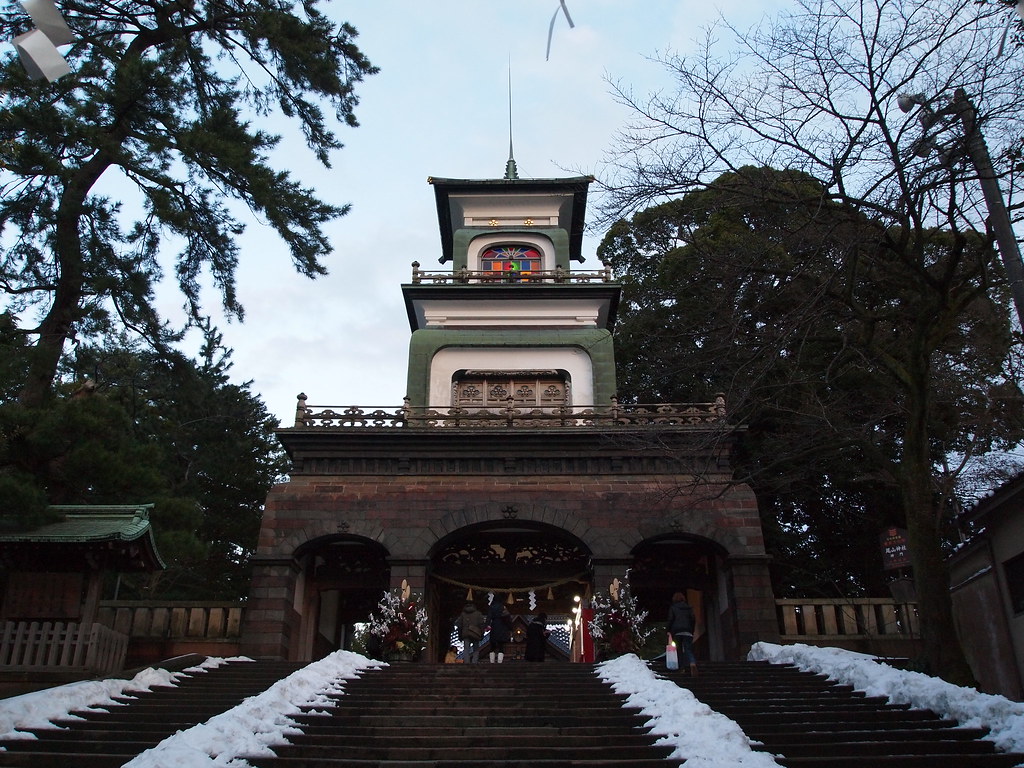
x: 977, y: 150
x: 974, y: 144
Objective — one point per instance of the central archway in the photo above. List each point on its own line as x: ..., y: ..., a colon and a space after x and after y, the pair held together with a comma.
x: 533, y: 567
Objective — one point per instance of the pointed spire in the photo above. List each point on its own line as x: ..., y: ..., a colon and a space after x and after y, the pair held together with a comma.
x: 510, y: 166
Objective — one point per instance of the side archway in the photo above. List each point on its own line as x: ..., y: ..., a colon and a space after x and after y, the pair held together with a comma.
x: 694, y: 566
x: 342, y: 577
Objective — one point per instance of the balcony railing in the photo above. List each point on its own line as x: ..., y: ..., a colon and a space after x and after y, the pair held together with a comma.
x: 468, y: 276
x: 512, y: 416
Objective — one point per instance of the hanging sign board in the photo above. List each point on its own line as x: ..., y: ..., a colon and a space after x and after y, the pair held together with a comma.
x: 895, y: 553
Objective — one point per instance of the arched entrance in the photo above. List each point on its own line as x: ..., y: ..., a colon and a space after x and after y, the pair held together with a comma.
x: 343, y: 577
x: 534, y: 567
x: 691, y: 565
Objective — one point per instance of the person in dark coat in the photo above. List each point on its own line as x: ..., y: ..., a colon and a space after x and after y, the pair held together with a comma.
x: 681, y: 623
x: 500, y: 622
x: 470, y: 626
x: 537, y: 633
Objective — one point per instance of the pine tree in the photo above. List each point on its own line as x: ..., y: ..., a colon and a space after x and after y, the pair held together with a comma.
x: 169, y: 99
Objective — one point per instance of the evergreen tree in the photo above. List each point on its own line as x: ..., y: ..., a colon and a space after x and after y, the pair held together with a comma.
x: 168, y: 98
x: 149, y: 428
x: 218, y: 457
x: 858, y: 357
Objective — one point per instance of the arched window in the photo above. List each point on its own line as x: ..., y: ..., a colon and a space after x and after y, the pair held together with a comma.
x: 523, y: 259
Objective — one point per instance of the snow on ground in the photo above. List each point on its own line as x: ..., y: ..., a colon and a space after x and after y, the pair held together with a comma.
x: 701, y: 736
x: 706, y: 739
x: 1003, y: 717
x: 37, y: 709
x: 258, y: 721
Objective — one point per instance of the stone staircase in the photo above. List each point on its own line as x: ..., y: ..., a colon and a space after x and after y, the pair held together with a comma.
x: 519, y: 715
x: 109, y: 739
x: 808, y: 721
x: 513, y: 715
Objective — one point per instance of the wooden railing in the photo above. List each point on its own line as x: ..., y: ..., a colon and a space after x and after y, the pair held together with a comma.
x: 61, y: 644
x: 816, y: 620
x: 173, y: 620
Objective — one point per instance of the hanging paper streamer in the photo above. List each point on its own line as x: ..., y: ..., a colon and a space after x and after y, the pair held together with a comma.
x: 39, y: 56
x: 551, y: 594
x: 37, y: 48
x: 48, y: 20
x: 533, y: 599
x: 490, y: 598
x: 551, y: 26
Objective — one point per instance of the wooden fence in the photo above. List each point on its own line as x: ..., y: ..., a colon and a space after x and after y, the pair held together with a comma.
x: 62, y: 644
x: 160, y: 629
x: 173, y: 620
x: 815, y: 621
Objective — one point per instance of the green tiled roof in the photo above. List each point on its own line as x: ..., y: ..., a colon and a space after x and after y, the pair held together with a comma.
x: 112, y: 527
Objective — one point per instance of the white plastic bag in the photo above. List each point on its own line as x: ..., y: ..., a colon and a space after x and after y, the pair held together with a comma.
x: 671, y: 654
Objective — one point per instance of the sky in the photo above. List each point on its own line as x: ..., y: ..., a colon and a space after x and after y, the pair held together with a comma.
x: 439, y: 107
x: 698, y: 734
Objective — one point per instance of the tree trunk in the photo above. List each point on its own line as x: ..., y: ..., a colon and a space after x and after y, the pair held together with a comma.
x: 943, y: 651
x: 59, y: 324
x: 57, y: 327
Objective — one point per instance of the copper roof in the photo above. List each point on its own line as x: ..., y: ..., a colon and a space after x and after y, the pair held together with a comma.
x: 114, y: 537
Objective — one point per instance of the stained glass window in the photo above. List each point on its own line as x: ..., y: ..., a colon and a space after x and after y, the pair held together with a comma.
x: 511, y: 258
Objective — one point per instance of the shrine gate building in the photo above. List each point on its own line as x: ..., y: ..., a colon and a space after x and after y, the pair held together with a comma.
x: 511, y: 468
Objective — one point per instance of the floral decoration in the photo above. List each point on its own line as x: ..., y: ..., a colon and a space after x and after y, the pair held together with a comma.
x: 399, y: 624
x: 618, y: 625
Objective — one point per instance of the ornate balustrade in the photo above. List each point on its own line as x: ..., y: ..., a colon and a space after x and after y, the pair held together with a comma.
x: 468, y: 276
x: 512, y: 416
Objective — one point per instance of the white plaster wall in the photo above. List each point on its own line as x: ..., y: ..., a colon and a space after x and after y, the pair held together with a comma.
x: 1007, y: 544
x: 510, y: 208
x: 451, y: 359
x: 579, y: 313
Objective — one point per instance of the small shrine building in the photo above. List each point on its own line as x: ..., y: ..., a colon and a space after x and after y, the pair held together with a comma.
x: 511, y: 468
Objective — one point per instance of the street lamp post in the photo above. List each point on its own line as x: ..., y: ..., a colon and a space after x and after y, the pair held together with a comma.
x: 974, y: 142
